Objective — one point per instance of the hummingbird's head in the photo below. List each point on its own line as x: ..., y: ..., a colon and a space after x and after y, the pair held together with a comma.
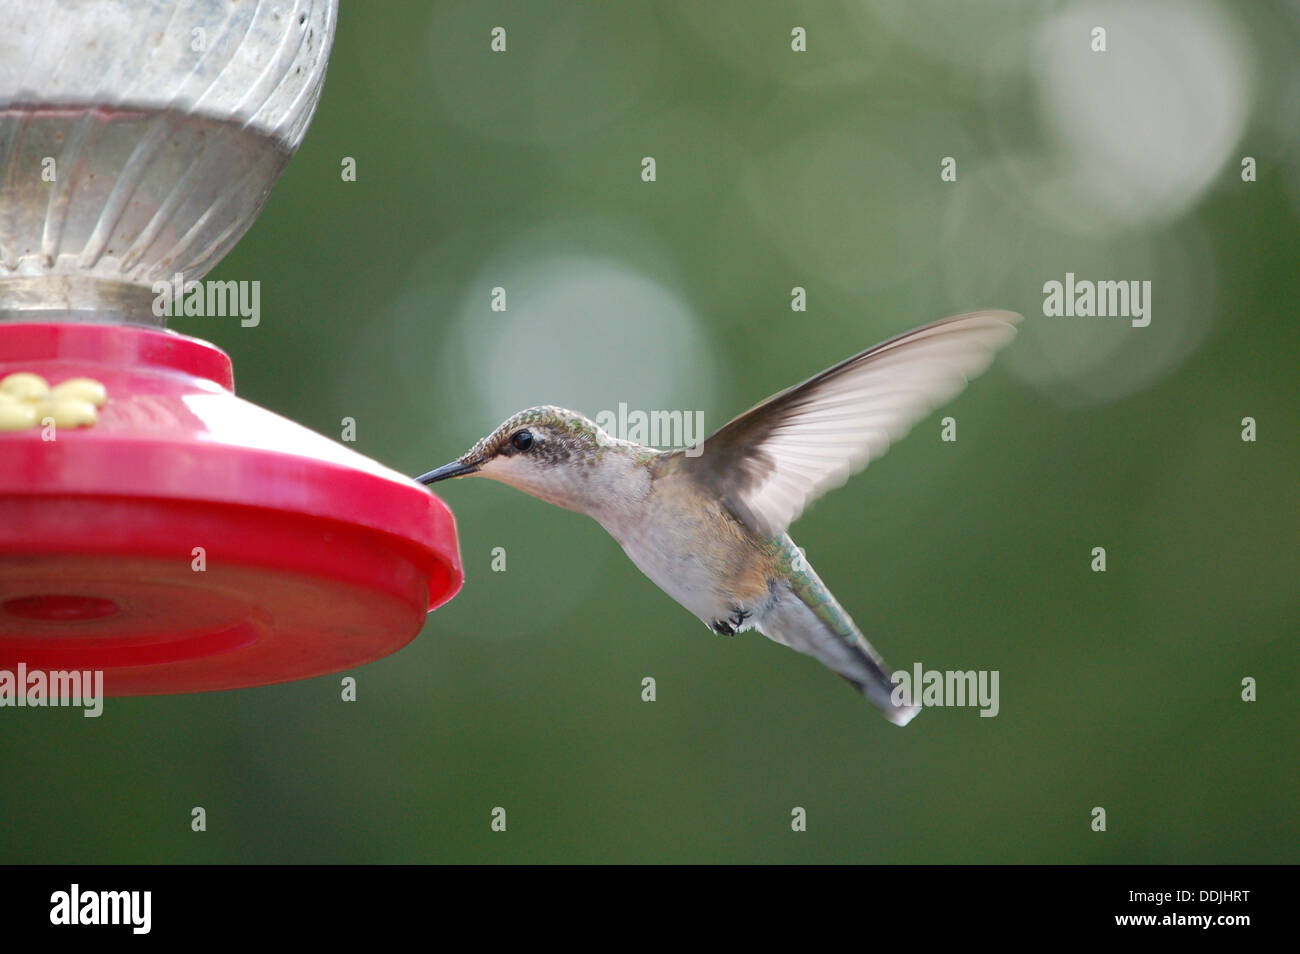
x: 547, y: 452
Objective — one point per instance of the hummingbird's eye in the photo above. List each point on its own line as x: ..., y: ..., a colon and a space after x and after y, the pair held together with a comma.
x: 522, y: 440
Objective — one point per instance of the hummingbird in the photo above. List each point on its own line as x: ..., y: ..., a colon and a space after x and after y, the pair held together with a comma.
x: 708, y: 524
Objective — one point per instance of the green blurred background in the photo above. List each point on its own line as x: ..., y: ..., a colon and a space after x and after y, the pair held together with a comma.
x: 775, y: 169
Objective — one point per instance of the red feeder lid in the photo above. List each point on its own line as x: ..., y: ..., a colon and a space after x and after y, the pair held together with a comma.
x: 190, y: 540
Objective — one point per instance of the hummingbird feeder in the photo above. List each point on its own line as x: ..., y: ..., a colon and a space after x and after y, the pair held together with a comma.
x: 152, y: 524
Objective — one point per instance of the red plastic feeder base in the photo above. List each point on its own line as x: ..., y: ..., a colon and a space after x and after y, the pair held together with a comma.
x: 190, y: 540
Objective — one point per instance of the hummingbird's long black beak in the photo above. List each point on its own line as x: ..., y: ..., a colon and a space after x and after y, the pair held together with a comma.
x: 454, y: 469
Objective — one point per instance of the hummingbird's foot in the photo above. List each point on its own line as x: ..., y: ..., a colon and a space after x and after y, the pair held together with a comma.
x: 732, y: 623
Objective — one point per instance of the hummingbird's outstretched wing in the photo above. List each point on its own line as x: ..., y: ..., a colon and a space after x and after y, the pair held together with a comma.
x: 780, y: 455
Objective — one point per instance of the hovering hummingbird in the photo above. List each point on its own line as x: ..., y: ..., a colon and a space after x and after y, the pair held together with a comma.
x: 709, y: 525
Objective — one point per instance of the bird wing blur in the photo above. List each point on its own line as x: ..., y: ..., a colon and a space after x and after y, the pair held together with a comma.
x: 769, y: 463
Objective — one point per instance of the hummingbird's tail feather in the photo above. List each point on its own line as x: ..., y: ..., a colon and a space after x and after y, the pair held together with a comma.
x: 806, y: 617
